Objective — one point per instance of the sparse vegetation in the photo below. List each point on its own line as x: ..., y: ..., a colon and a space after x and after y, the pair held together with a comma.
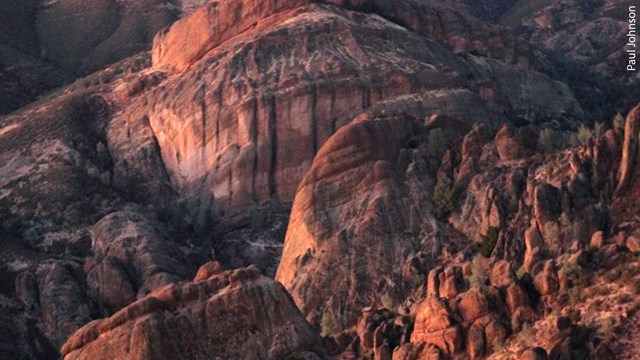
x: 387, y: 301
x: 550, y: 141
x: 498, y: 345
x: 436, y: 147
x: 618, y: 121
x: 443, y: 199
x: 327, y: 324
x: 575, y: 294
x: 629, y: 272
x: 489, y: 241
x: 605, y: 329
x: 522, y: 271
x: 477, y: 277
x: 585, y: 133
x: 552, y: 236
x: 526, y: 331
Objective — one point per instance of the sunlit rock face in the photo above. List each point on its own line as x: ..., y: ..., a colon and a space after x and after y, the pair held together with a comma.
x: 248, y: 104
x: 241, y: 123
x: 207, y: 317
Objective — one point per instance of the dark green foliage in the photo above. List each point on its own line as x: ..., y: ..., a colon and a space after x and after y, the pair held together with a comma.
x: 443, y: 199
x: 619, y: 122
x: 489, y: 241
x: 327, y: 324
x: 551, y: 141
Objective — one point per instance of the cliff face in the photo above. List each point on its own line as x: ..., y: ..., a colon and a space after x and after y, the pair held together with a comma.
x: 411, y: 172
x: 232, y: 130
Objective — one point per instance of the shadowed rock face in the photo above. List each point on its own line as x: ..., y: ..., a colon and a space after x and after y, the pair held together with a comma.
x: 45, y: 44
x: 131, y: 258
x: 582, y: 38
x: 208, y: 317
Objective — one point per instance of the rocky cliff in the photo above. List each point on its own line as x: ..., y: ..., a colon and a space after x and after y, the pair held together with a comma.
x: 423, y: 179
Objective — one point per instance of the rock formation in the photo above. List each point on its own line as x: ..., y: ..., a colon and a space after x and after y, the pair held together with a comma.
x: 193, y: 320
x: 418, y: 175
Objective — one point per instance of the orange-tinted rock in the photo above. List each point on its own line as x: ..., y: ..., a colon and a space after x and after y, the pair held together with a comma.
x: 533, y: 245
x: 354, y: 175
x: 502, y: 274
x: 450, y: 282
x: 546, y: 281
x: 495, y: 333
x: 433, y: 283
x: 417, y: 351
x: 432, y: 315
x: 519, y: 307
x: 473, y: 304
x: 225, y: 131
x: 208, y: 270
x: 597, y: 239
x: 513, y: 144
x: 177, y: 322
x: 434, y: 326
x: 633, y: 244
x: 476, y: 342
x: 629, y: 150
x: 190, y: 38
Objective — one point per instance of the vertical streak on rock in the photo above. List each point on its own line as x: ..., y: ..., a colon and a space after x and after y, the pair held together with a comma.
x: 273, y: 136
x: 332, y: 110
x: 220, y: 105
x: 314, y: 121
x: 254, y: 139
x: 366, y: 102
x: 203, y: 110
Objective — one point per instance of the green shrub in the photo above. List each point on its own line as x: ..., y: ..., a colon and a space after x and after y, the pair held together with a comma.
x: 522, y: 271
x: 489, y: 241
x: 477, y: 277
x: 443, y: 199
x: 584, y: 133
x: 327, y: 324
x: 575, y: 294
x: 598, y: 129
x: 436, y: 144
x: 605, y: 329
x: 619, y: 121
x: 550, y: 141
x: 552, y: 235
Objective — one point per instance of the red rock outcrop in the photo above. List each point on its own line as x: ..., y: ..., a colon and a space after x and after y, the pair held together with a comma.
x: 197, y: 320
x: 355, y: 175
x: 189, y: 39
x: 630, y: 149
x: 225, y: 154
